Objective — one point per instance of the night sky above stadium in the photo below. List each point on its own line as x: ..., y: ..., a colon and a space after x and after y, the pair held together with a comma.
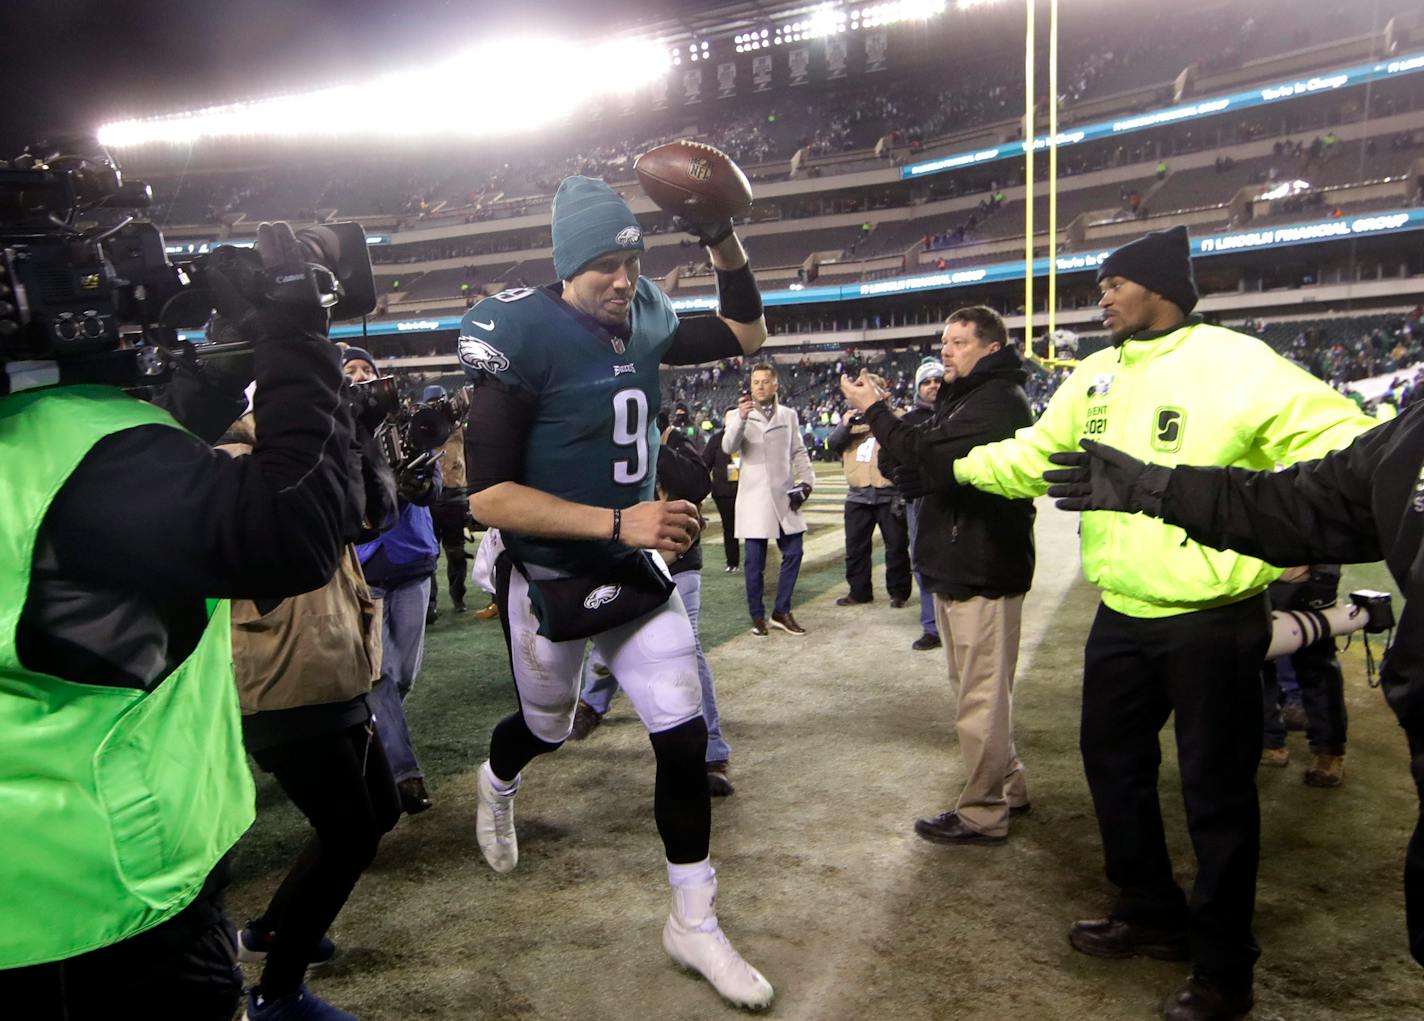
x: 86, y: 61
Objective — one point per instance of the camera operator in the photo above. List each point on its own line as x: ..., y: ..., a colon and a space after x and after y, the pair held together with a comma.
x: 1356, y: 505
x: 123, y: 781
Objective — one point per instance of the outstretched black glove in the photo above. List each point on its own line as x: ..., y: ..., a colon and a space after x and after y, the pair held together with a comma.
x: 247, y: 305
x: 797, y: 495
x: 707, y: 234
x: 910, y: 482
x: 1106, y: 479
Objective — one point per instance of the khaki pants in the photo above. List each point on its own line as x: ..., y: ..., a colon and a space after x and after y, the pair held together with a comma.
x: 981, y: 643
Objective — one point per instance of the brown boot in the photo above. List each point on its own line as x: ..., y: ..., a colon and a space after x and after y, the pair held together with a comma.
x: 1277, y: 758
x: 1326, y: 771
x: 488, y: 613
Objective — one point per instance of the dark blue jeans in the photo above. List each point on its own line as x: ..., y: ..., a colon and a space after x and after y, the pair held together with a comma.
x: 790, y: 546
x: 1322, y: 692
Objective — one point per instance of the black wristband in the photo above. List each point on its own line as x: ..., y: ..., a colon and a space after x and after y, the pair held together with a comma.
x: 737, y: 295
x: 617, y: 525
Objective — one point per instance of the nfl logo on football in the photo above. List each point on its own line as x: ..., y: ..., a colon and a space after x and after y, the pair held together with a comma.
x: 699, y: 170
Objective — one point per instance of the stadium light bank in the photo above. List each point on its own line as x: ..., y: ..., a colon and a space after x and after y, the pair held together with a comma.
x: 430, y: 101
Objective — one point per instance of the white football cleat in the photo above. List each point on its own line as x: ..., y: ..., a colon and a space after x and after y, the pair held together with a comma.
x: 494, y: 822
x: 694, y: 940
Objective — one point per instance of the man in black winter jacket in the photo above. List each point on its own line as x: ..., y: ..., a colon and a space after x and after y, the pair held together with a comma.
x: 975, y: 553
x: 1357, y: 505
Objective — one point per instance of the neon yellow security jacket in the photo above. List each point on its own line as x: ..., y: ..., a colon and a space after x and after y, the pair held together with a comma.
x: 1199, y: 395
x: 115, y: 803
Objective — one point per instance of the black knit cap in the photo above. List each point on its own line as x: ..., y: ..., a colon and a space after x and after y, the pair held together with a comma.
x: 1160, y: 261
x: 351, y: 353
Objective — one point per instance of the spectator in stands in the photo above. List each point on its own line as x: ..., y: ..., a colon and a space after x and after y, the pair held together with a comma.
x: 398, y: 565
x: 775, y: 479
x: 1182, y: 629
x: 871, y: 502
x: 976, y: 553
x: 725, y: 470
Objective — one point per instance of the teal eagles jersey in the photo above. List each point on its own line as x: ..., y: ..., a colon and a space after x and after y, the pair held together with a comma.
x: 594, y: 439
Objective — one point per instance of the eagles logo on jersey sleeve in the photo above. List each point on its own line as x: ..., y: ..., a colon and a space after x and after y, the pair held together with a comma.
x: 492, y: 341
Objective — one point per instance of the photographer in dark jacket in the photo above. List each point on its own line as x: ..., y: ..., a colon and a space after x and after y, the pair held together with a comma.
x: 724, y: 495
x: 975, y: 553
x: 1356, y: 505
x: 399, y: 564
x: 123, y: 782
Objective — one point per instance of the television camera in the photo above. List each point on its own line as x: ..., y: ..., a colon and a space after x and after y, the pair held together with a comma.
x: 88, y: 294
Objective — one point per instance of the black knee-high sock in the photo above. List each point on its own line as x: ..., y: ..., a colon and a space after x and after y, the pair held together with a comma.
x: 513, y: 745
x: 681, y: 804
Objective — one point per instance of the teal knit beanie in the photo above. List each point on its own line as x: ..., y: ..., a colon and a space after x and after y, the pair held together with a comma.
x: 590, y: 220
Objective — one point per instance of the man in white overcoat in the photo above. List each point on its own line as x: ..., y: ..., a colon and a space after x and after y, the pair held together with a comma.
x: 776, y: 479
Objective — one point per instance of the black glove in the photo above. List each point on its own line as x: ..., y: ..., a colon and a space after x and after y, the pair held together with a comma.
x: 707, y: 234
x: 910, y: 482
x: 797, y: 495
x: 234, y: 279
x: 416, y: 485
x: 1106, y: 479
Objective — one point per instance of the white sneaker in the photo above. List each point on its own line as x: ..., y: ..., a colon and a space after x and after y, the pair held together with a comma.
x: 494, y: 822
x: 694, y: 940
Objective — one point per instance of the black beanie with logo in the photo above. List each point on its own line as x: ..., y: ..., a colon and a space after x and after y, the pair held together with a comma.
x: 1160, y: 261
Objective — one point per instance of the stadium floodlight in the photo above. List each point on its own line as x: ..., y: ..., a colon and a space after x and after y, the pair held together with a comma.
x: 430, y: 102
x: 824, y: 21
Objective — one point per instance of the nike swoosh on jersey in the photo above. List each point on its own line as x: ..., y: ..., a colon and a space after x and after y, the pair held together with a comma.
x: 483, y: 326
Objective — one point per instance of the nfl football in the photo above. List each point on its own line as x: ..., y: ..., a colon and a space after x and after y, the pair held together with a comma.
x: 695, y: 181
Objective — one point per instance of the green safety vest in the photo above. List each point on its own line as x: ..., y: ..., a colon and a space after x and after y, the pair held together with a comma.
x: 1199, y: 395
x: 115, y: 803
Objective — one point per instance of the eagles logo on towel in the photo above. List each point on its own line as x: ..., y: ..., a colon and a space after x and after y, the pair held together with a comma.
x: 481, y: 354
x: 599, y: 596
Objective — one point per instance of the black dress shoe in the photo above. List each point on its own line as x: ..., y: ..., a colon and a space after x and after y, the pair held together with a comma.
x: 852, y: 601
x: 1112, y: 937
x: 1202, y: 999
x: 414, y: 798
x: 896, y: 603
x: 948, y: 828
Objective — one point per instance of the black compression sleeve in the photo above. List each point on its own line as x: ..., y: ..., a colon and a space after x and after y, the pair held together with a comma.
x: 737, y: 295
x: 496, y: 430
x: 702, y: 339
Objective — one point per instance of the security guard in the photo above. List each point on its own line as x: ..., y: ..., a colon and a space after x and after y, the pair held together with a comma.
x: 1182, y: 628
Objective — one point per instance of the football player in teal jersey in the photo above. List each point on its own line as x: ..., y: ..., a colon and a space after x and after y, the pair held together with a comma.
x: 561, y: 451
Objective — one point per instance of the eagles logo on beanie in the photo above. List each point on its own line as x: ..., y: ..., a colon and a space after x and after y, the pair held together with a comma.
x: 1160, y: 261
x: 589, y: 220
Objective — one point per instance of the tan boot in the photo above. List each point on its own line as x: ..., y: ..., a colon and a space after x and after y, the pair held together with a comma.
x: 1326, y: 771
x: 1277, y: 758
